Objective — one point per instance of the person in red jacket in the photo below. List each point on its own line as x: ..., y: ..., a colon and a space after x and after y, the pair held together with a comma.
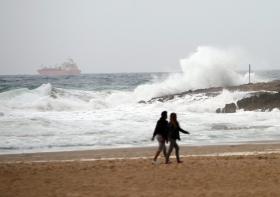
x: 173, y: 135
x: 160, y: 133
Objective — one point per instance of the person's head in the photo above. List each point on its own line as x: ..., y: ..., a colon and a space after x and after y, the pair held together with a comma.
x: 164, y: 114
x: 173, y: 119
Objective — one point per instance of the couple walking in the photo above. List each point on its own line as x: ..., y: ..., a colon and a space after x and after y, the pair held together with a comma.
x: 168, y: 132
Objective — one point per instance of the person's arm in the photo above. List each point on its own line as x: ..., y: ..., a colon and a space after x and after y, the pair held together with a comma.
x: 167, y: 132
x: 182, y: 130
x: 155, y: 132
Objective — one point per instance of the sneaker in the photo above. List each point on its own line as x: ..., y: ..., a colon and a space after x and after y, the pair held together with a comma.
x: 155, y: 162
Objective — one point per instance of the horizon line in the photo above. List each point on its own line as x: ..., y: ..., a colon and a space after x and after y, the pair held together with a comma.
x: 135, y: 72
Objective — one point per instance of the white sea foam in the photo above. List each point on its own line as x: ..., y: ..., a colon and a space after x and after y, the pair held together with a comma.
x: 46, y: 98
x: 131, y: 124
x: 49, y: 118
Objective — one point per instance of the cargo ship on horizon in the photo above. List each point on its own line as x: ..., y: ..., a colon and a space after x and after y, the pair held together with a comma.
x: 68, y: 67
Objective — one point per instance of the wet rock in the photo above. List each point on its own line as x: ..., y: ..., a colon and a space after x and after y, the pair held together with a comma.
x: 263, y: 102
x: 229, y: 108
x: 214, y: 91
x: 260, y: 101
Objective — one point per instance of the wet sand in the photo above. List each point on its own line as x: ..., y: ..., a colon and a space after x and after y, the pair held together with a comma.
x: 251, y: 170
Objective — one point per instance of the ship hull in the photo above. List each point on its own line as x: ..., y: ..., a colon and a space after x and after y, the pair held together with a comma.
x: 57, y: 72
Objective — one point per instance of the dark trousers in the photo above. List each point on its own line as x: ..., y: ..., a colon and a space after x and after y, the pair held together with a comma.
x: 173, y: 144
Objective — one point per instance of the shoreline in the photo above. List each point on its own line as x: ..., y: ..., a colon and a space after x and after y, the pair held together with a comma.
x: 263, y: 147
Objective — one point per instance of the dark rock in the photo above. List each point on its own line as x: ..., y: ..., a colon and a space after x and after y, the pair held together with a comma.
x: 229, y: 108
x: 214, y: 91
x: 162, y: 99
x: 143, y: 102
x: 2, y: 114
x: 260, y: 101
x: 208, y: 92
x: 263, y: 102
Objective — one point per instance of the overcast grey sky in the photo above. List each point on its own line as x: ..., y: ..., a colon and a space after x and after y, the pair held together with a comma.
x: 132, y: 36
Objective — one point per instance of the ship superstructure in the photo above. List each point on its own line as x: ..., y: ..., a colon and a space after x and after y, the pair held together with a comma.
x: 68, y: 67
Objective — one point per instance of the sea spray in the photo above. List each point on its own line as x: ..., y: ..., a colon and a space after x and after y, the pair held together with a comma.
x: 212, y: 67
x: 206, y: 67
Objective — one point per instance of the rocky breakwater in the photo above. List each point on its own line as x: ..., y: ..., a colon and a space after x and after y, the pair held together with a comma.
x: 261, y: 96
x: 261, y: 101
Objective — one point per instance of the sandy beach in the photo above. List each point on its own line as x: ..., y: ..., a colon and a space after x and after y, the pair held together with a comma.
x: 90, y: 91
x: 236, y: 170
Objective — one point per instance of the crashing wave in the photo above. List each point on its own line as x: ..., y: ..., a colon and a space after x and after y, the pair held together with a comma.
x: 205, y: 68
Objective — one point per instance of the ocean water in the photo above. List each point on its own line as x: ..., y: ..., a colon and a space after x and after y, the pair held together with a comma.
x: 94, y: 111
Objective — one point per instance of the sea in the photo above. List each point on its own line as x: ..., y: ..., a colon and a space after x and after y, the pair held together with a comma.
x: 97, y: 111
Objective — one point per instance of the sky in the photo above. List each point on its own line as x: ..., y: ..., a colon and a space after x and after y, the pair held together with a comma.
x: 109, y: 36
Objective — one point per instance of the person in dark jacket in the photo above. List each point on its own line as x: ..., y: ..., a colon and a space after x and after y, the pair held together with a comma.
x: 173, y: 135
x: 160, y: 133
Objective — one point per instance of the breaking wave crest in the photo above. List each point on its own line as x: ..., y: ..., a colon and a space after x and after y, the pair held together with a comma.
x: 47, y: 98
x: 207, y: 67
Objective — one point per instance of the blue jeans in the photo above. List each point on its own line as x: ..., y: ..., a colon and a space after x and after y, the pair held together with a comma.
x: 173, y: 144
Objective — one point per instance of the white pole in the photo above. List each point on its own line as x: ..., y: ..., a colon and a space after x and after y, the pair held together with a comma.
x: 249, y: 73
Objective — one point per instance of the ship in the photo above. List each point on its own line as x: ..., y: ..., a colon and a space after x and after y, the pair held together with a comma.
x: 69, y: 67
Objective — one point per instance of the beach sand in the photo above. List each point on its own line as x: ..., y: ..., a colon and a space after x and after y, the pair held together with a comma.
x: 251, y: 170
